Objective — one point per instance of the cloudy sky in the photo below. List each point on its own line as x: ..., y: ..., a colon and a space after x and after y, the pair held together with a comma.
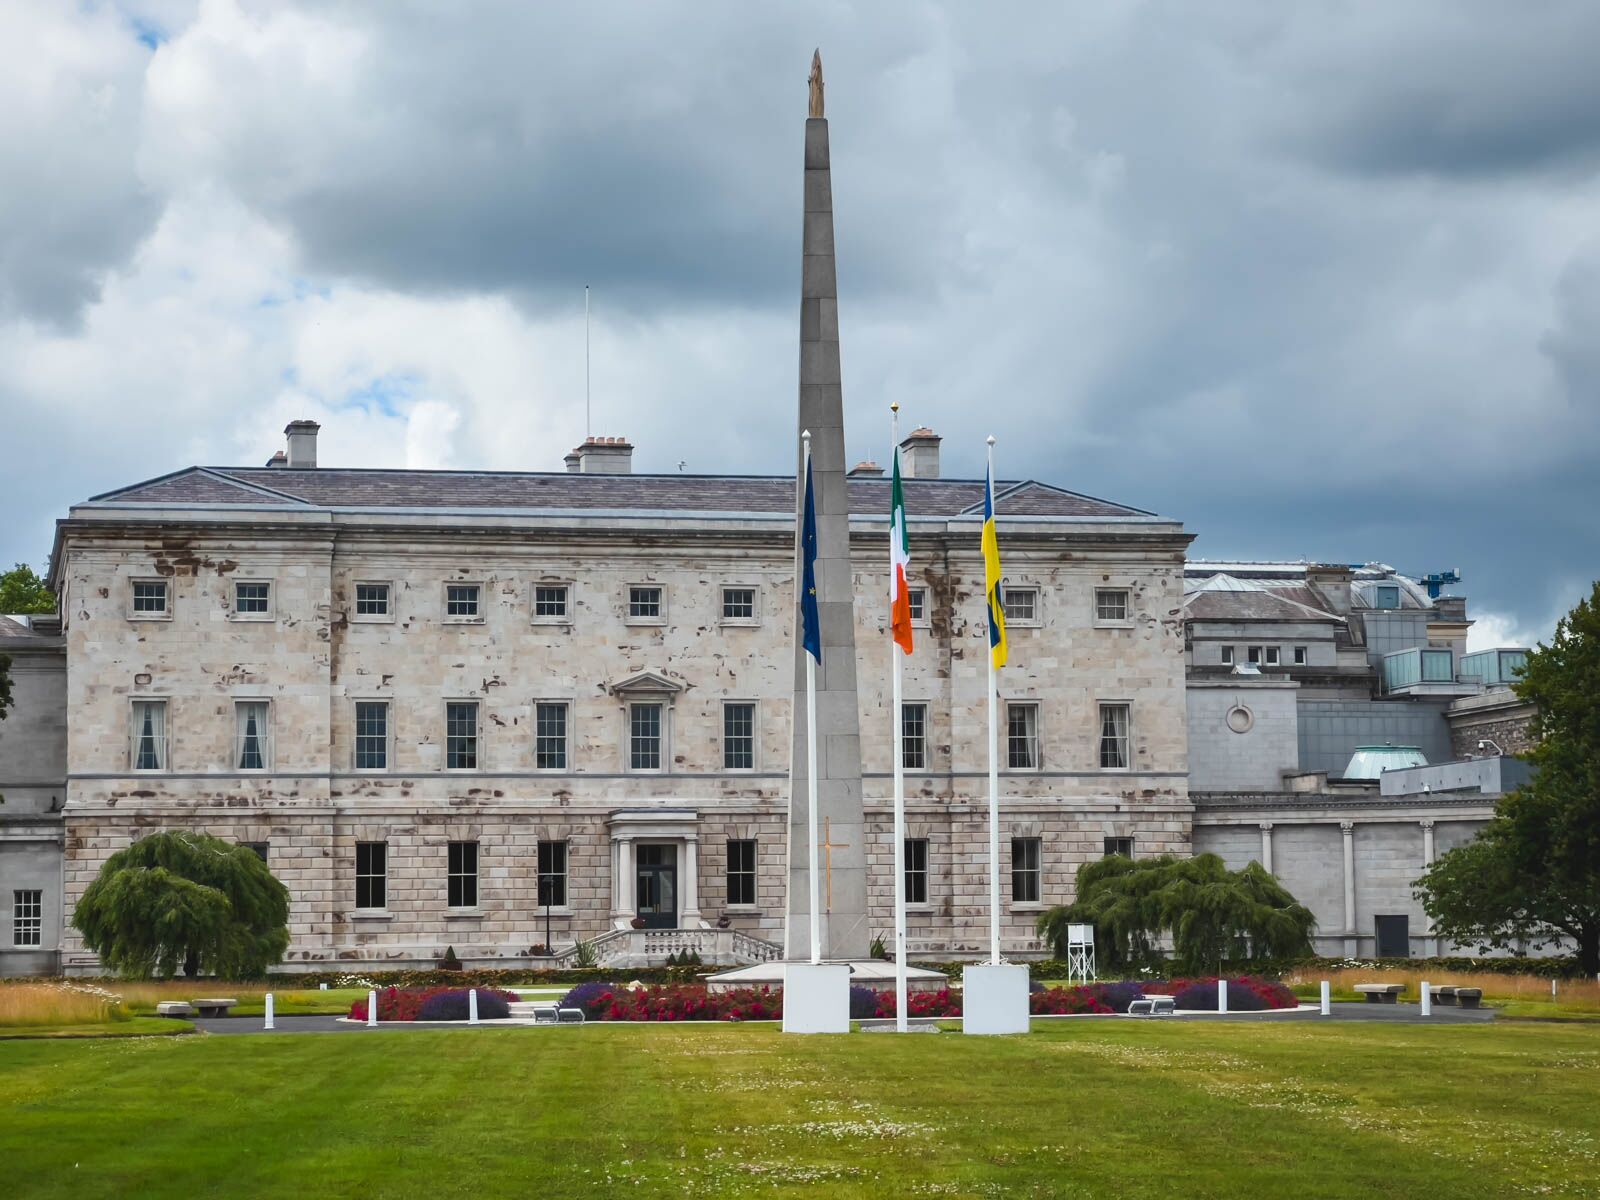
x: 1323, y: 281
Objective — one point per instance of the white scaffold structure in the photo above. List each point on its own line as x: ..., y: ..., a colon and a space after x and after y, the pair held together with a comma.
x: 1080, y: 953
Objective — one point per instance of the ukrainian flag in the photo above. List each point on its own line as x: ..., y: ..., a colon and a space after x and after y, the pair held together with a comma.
x: 991, y: 577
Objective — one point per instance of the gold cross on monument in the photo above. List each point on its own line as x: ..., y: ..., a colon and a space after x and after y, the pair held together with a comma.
x: 828, y: 846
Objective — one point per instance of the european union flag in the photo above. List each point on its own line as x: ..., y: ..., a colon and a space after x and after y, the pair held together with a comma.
x: 811, y: 624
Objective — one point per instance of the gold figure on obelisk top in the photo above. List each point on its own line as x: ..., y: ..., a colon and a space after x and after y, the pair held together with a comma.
x: 816, y: 83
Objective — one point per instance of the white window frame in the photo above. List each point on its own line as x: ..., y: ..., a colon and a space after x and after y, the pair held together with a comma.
x: 264, y: 739
x: 355, y: 734
x: 389, y: 605
x: 1126, y: 619
x: 755, y: 735
x: 1038, y: 742
x: 1099, y: 734
x: 135, y: 734
x: 664, y: 745
x: 461, y: 618
x: 754, y: 873
x: 477, y: 734
x: 383, y: 875
x: 1020, y: 622
x: 451, y: 874
x: 1273, y: 656
x: 1036, y: 870
x: 900, y: 741
x: 272, y: 597
x: 753, y: 619
x: 167, y: 591
x: 1226, y: 654
x: 27, y: 918
x: 661, y: 605
x: 1302, y: 656
x: 920, y: 620
x: 1254, y: 654
x: 565, y: 706
x: 567, y: 592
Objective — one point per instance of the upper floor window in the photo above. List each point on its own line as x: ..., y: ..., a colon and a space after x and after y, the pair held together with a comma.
x: 252, y: 598
x: 372, y: 735
x: 644, y: 603
x: 1300, y: 656
x: 1272, y: 658
x: 149, y: 735
x: 916, y: 882
x: 253, y: 735
x: 1022, y: 737
x: 739, y: 736
x: 742, y: 871
x: 1254, y: 655
x: 1227, y: 656
x: 1386, y: 595
x: 738, y: 604
x: 150, y: 598
x: 917, y: 598
x: 644, y: 736
x: 550, y: 601
x: 461, y: 735
x: 372, y: 874
x: 462, y: 875
x: 550, y: 736
x: 1114, y: 748
x: 27, y: 917
x: 1111, y: 604
x: 1025, y: 870
x: 372, y: 600
x: 462, y: 601
x: 914, y: 736
x: 1022, y: 605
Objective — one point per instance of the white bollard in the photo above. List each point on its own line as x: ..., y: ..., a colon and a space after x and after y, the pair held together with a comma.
x: 269, y: 1024
x: 323, y: 986
x: 1552, y: 989
x: 1327, y: 999
x: 372, y: 1008
x: 472, y: 1007
x: 1222, y: 995
x: 1427, y: 999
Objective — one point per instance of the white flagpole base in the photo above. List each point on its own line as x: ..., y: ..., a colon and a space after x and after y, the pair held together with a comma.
x: 816, y: 998
x: 994, y: 998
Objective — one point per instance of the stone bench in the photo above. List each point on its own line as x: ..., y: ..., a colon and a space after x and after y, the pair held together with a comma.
x: 569, y: 1016
x: 1445, y: 996
x: 174, y: 1008
x: 1469, y: 997
x: 214, y: 1007
x: 1151, y: 1006
x: 1381, y: 993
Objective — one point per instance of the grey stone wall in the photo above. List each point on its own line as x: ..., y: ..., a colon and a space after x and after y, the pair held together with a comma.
x: 1251, y: 754
x: 33, y: 769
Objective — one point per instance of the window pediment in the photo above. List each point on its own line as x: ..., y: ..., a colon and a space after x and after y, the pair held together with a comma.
x: 647, y: 684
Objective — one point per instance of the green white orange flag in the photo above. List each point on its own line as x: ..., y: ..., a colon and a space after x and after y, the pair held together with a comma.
x: 899, y: 565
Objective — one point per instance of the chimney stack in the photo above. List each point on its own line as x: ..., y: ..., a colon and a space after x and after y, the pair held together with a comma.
x: 302, y: 444
x: 865, y: 470
x: 279, y: 459
x: 603, y: 456
x: 1331, y: 581
x: 921, y: 453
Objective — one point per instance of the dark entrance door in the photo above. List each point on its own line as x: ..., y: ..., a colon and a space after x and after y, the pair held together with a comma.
x: 1394, y: 936
x: 657, y: 886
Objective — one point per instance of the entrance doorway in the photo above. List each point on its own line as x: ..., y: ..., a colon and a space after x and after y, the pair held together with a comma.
x: 1393, y: 936
x: 657, y: 885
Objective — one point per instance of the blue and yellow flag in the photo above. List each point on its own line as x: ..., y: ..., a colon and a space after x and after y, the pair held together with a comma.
x: 810, y: 624
x: 991, y: 577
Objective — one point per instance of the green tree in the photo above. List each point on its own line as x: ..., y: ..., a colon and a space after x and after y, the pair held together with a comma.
x: 21, y: 591
x: 185, y: 900
x: 1213, y: 914
x: 1532, y: 874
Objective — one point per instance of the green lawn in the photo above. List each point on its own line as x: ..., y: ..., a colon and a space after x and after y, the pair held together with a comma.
x: 1079, y: 1108
x: 132, y: 1027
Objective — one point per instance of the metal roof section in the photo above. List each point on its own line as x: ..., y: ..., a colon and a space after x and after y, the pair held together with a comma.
x: 1370, y: 762
x: 1250, y: 604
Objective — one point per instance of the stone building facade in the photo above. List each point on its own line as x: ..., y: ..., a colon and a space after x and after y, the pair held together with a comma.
x: 419, y: 693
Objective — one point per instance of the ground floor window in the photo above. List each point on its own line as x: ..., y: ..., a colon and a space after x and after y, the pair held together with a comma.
x: 27, y: 917
x: 1025, y: 870
x: 742, y: 871
x: 1122, y: 846
x: 463, y: 873
x: 372, y: 874
x: 553, y: 874
x: 916, y: 870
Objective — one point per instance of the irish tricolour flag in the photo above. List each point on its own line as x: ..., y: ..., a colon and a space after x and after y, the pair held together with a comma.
x: 899, y: 565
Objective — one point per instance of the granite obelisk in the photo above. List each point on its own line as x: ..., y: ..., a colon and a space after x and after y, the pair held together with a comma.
x: 845, y: 933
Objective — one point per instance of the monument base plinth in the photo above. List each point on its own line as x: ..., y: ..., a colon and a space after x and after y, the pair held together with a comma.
x: 816, y: 997
x: 994, y: 998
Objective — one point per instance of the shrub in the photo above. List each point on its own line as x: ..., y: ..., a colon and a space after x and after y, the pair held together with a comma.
x: 926, y: 1005
x: 395, y: 1004
x: 1116, y: 996
x: 1057, y: 1001
x: 593, y: 998
x: 1246, y: 994
x: 690, y: 1003
x: 450, y: 962
x: 1035, y: 986
x: 863, y: 1003
x: 453, y: 1005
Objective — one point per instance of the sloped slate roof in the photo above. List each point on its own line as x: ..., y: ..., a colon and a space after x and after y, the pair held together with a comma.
x: 324, y: 487
x: 1249, y: 606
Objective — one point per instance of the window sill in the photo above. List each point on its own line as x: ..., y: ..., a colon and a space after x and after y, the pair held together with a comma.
x: 552, y: 622
x: 252, y: 618
x: 1126, y: 623
x: 462, y: 621
x: 1028, y: 906
x: 149, y: 616
x: 372, y: 914
x: 646, y: 622
x: 739, y: 623
x: 371, y: 619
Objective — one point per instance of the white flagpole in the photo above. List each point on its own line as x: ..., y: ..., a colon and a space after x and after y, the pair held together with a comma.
x: 812, y: 882
x: 994, y: 769
x: 898, y: 744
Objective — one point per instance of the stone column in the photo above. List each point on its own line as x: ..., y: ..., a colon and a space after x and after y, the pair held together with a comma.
x: 1266, y: 846
x: 690, y: 887
x: 821, y: 410
x: 1427, y: 861
x: 622, y: 878
x: 1348, y: 829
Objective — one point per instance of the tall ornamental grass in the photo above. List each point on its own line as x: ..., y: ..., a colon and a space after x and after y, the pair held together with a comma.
x: 50, y: 1004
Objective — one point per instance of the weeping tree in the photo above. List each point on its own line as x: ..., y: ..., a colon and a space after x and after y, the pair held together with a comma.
x: 1212, y: 914
x: 183, y: 900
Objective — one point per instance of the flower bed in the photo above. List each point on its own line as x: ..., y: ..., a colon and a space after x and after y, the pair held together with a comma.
x: 435, y: 1004
x: 1248, y: 993
x: 684, y: 1002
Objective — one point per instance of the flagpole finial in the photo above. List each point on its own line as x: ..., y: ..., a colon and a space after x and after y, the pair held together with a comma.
x: 991, y: 439
x: 894, y: 406
x: 805, y: 435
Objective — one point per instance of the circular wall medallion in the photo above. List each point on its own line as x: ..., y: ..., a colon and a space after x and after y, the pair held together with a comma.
x: 1240, y: 719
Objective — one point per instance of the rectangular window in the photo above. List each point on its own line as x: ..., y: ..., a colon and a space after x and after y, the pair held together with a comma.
x: 1227, y: 656
x: 463, y: 875
x: 372, y: 600
x: 372, y: 735
x: 1022, y: 604
x: 1025, y: 870
x: 461, y: 735
x: 742, y: 871
x: 1300, y: 656
x: 1114, y: 754
x: 1254, y: 655
x: 253, y: 735
x: 739, y: 736
x: 1022, y: 737
x: 553, y: 874
x: 550, y: 736
x: 644, y: 603
x: 27, y: 917
x: 259, y: 849
x: 1386, y: 596
x: 1111, y: 604
x: 1272, y: 656
x: 461, y: 600
x: 252, y: 598
x: 914, y: 737
x: 550, y: 601
x: 738, y: 604
x: 916, y: 870
x: 372, y: 874
x: 644, y: 737
x: 1122, y: 846
x: 150, y: 597
x: 149, y: 735
x: 918, y: 598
